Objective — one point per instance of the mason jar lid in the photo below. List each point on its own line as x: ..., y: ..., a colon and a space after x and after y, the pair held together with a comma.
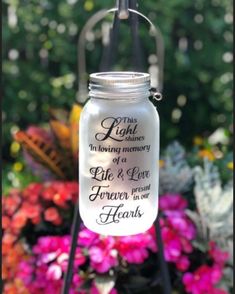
x: 117, y: 77
x: 116, y: 85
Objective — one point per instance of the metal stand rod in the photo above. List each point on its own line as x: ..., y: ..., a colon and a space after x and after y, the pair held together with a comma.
x: 137, y: 53
x: 109, y: 52
x: 123, y: 6
x: 73, y: 245
x: 166, y: 283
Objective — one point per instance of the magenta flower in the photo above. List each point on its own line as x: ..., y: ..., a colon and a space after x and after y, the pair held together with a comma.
x: 173, y: 246
x: 182, y: 225
x: 178, y: 231
x: 103, y: 255
x: 50, y: 257
x: 55, y: 250
x: 203, y: 280
x: 26, y: 269
x: 134, y: 249
x: 172, y: 202
x: 218, y: 291
x: 77, y: 280
x: 183, y: 263
x: 54, y: 272
x: 131, y: 249
x: 87, y: 238
x: 220, y: 257
x: 103, y: 250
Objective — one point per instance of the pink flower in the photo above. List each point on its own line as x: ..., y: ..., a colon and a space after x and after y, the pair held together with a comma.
x: 182, y: 225
x: 31, y: 210
x: 134, y: 249
x: 203, y: 280
x: 61, y: 193
x: 87, y: 238
x: 52, y: 215
x: 176, y: 241
x: 183, y: 263
x: 102, y: 252
x: 172, y: 242
x: 45, y: 270
x: 32, y: 192
x: 77, y: 280
x: 103, y: 255
x: 54, y: 272
x: 55, y: 250
x: 19, y: 220
x: 218, y: 291
x: 46, y: 245
x: 64, y: 192
x: 79, y: 258
x: 40, y: 132
x: 11, y: 203
x: 48, y: 192
x: 216, y: 273
x: 177, y: 230
x: 6, y: 221
x: 26, y: 269
x: 219, y: 256
x: 172, y: 202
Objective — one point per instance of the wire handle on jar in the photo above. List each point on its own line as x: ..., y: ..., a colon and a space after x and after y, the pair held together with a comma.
x: 97, y: 17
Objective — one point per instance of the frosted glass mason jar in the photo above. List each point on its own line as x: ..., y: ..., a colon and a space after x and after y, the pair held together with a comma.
x: 119, y: 155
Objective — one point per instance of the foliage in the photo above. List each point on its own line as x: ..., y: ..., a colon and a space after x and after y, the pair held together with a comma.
x: 216, y: 223
x: 54, y: 151
x: 175, y: 175
x: 40, y: 61
x: 17, y: 176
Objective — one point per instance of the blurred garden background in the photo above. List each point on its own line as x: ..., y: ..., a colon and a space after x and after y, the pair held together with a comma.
x: 40, y: 75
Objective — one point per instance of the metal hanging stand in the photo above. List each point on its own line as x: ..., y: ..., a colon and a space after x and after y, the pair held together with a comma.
x: 123, y: 11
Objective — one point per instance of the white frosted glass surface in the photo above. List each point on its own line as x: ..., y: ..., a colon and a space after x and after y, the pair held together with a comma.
x: 118, y: 166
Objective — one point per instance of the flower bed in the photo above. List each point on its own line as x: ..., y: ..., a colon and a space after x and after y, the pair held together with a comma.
x: 36, y: 248
x: 195, y: 216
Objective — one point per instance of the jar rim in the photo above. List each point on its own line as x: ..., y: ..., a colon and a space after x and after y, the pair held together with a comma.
x: 119, y: 85
x: 119, y: 78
